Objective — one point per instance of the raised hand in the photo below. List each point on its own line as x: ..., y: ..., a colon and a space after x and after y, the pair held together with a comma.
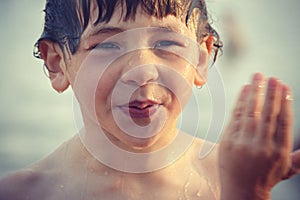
x: 255, y: 150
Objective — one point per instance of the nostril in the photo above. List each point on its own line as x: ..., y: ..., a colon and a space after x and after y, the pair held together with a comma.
x: 140, y: 75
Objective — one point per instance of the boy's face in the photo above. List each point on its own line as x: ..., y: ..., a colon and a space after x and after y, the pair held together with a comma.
x: 133, y: 78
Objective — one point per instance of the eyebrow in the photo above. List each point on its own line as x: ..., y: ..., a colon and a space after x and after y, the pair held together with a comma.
x: 165, y: 28
x: 107, y: 30
x: 110, y: 30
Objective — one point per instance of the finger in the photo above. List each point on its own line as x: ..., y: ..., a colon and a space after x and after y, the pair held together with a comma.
x: 283, y: 134
x: 254, y: 102
x: 270, y: 109
x: 235, y: 122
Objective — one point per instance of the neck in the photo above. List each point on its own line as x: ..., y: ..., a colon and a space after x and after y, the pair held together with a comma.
x: 106, y: 152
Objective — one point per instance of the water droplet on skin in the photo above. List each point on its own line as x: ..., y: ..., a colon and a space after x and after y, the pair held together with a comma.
x: 186, y: 191
x: 211, y: 188
x: 179, y: 195
x: 141, y: 56
x: 187, y: 42
x: 186, y: 186
x: 200, y: 186
x: 130, y: 63
x: 91, y: 169
x: 199, y: 194
x: 62, y: 186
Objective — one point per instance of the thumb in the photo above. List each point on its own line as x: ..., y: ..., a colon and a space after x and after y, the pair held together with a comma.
x: 296, y: 160
x: 295, y: 167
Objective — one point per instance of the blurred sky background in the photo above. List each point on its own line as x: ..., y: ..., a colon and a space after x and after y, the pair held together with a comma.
x: 258, y: 36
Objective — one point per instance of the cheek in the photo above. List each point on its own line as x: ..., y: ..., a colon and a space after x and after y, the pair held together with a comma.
x: 188, y: 73
x: 179, y: 81
x: 104, y: 89
x: 185, y: 74
x: 76, y: 67
x: 93, y: 84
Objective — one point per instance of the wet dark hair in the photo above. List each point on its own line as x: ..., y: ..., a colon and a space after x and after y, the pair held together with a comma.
x: 66, y: 20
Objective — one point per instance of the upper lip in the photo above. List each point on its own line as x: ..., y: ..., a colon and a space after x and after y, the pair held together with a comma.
x: 141, y: 104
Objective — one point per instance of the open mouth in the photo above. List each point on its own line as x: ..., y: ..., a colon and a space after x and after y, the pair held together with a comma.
x: 140, y: 109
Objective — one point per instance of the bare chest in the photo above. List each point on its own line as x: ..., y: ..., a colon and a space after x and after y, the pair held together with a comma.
x: 190, y: 187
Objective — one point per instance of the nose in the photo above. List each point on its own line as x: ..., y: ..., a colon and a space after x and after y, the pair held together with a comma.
x: 140, y: 69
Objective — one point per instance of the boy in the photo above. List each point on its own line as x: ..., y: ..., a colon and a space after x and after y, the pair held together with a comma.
x: 131, y: 65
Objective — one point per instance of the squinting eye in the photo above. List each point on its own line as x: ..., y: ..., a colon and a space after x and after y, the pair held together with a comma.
x: 166, y: 43
x: 107, y: 45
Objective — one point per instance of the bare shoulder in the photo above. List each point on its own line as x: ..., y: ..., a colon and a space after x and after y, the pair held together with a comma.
x: 19, y: 185
x: 37, y: 181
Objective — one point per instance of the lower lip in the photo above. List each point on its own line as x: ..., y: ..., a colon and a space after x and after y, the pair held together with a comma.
x: 140, y: 113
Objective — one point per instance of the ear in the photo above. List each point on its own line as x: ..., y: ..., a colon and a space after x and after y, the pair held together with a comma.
x: 53, y: 57
x: 209, y: 43
x: 205, y: 53
x: 200, y: 75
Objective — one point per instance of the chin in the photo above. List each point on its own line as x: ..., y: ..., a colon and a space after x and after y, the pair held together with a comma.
x: 142, y: 144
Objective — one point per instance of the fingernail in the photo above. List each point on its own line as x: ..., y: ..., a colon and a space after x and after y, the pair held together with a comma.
x: 258, y: 78
x: 245, y: 91
x: 272, y: 83
x: 287, y: 93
